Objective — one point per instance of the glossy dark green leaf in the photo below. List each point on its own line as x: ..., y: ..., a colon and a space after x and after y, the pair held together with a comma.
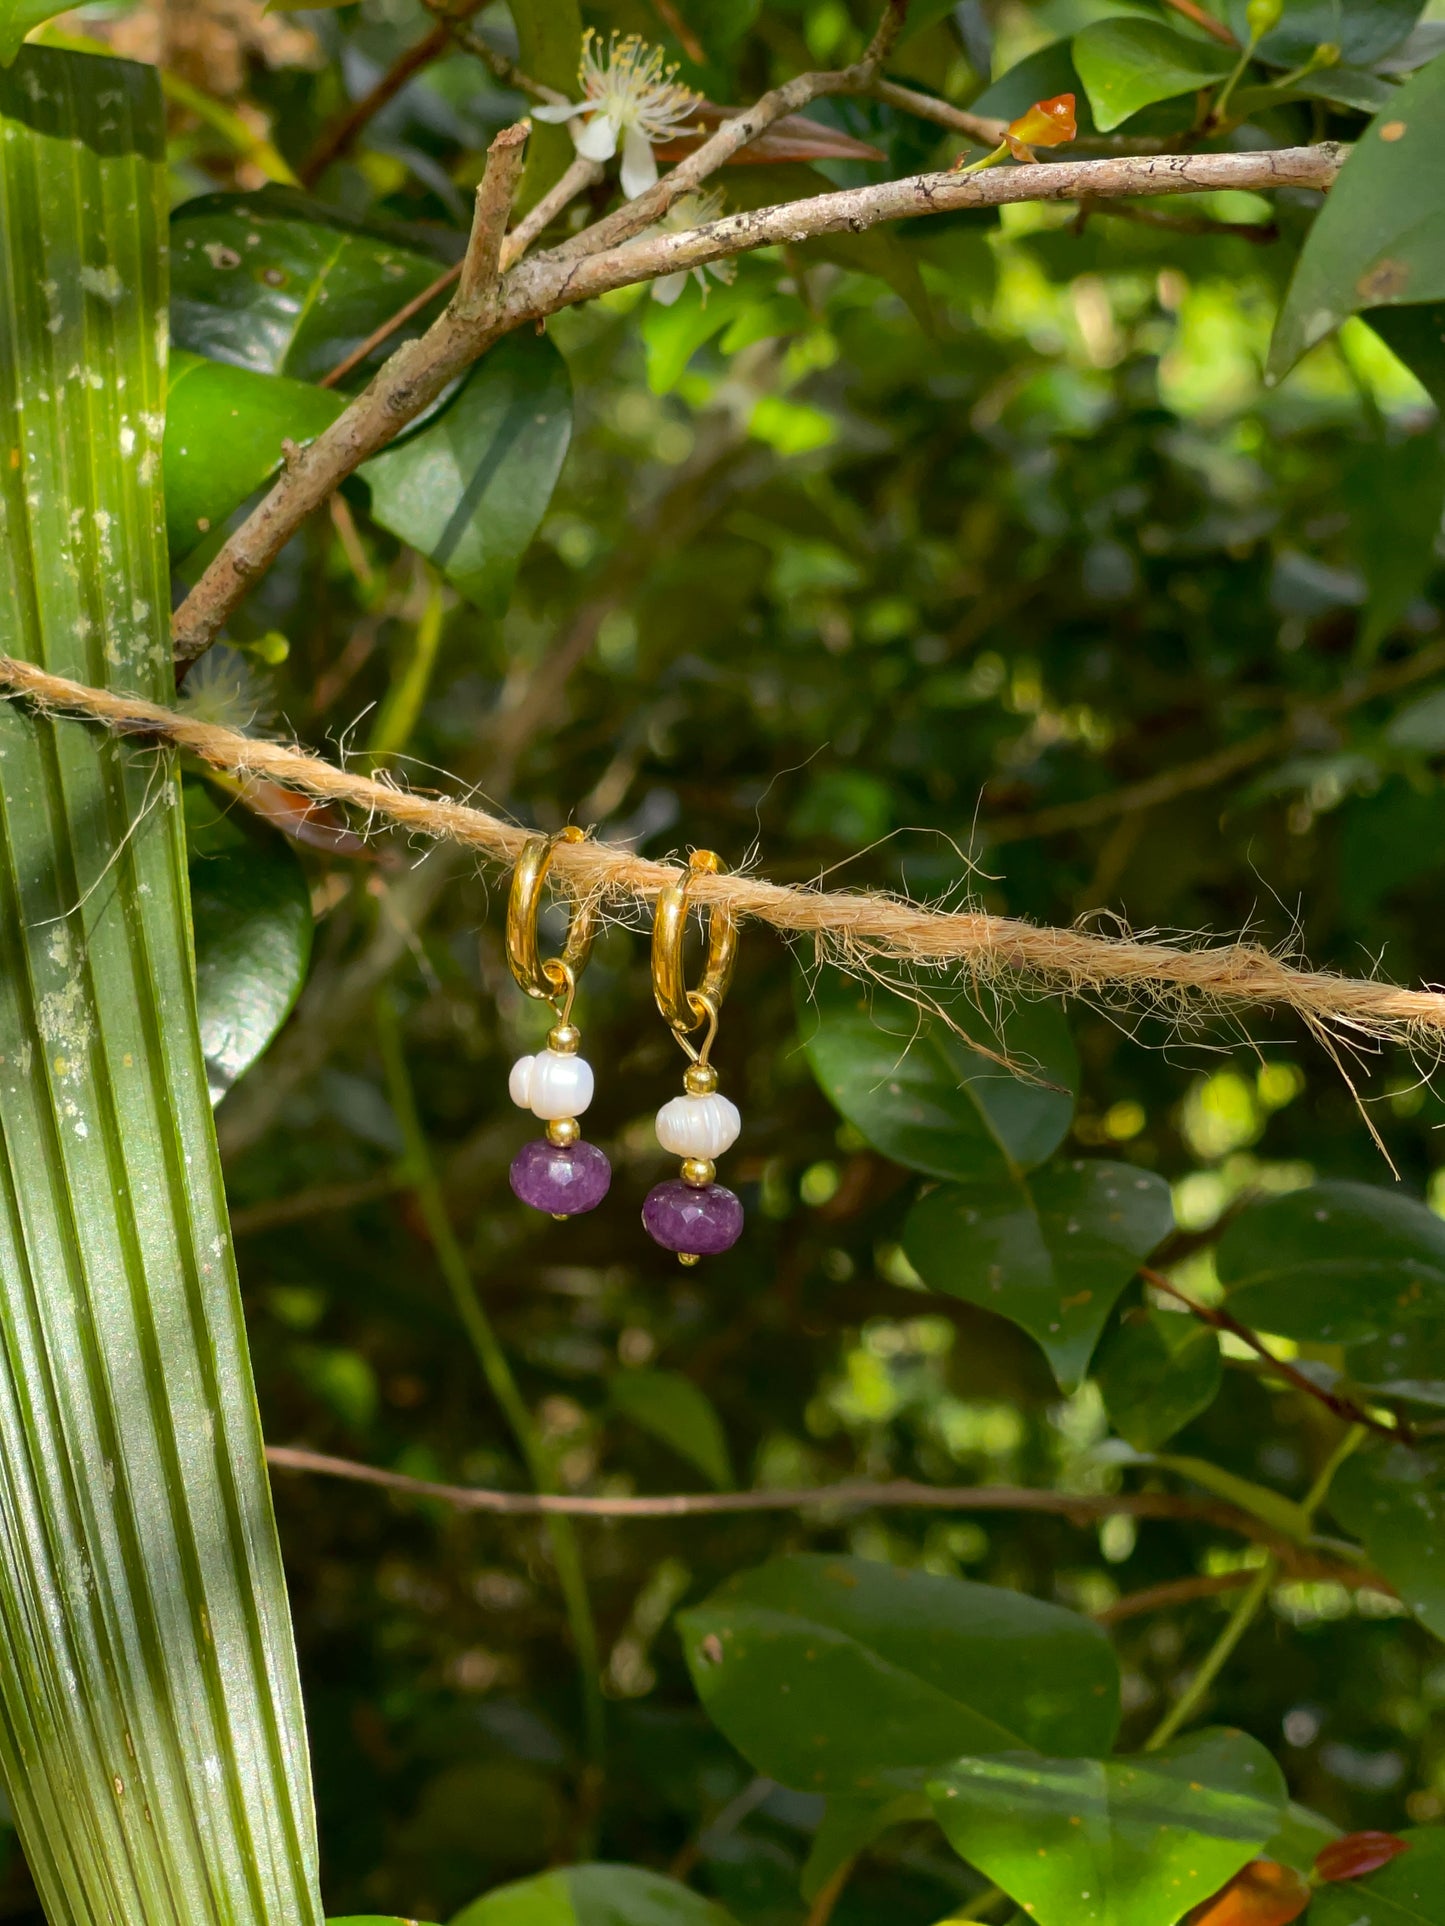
x: 1379, y: 240
x: 1127, y: 64
x: 224, y: 430
x: 251, y: 918
x: 1407, y: 1362
x: 672, y: 1409
x: 1363, y: 30
x: 1041, y: 75
x: 1417, y: 336
x: 917, y: 1089
x: 1410, y: 1891
x: 837, y: 1674
x: 470, y: 489
x: 593, y: 1896
x: 1393, y: 1500
x: 1156, y: 1371
x: 1052, y: 1251
x: 1334, y: 1264
x: 1396, y: 497
x: 1117, y: 1842
x: 282, y: 284
x: 152, y: 1738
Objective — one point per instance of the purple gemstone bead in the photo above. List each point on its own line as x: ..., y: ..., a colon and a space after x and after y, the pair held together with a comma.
x: 695, y: 1222
x: 564, y: 1181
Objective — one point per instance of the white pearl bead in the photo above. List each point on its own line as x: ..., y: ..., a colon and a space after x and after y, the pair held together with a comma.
x: 519, y: 1084
x: 698, y: 1126
x: 559, y: 1086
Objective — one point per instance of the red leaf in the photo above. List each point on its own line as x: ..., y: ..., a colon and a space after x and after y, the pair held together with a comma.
x: 1048, y: 123
x: 1358, y: 1853
x: 1264, y: 1894
x: 794, y: 138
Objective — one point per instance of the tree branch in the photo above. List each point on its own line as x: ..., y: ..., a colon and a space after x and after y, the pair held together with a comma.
x: 1221, y: 1320
x: 482, y: 264
x: 336, y: 139
x: 578, y: 178
x: 419, y: 371
x: 865, y: 1495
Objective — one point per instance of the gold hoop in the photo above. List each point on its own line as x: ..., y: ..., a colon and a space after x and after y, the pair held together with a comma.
x: 554, y: 981
x: 683, y: 1008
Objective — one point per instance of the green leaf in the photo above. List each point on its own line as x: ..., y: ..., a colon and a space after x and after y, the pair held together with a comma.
x: 1126, y: 65
x: 471, y: 488
x: 1301, y: 1835
x: 251, y: 914
x: 1417, y: 336
x: 593, y: 1896
x: 1156, y: 1371
x: 1410, y: 1891
x: 1396, y: 497
x: 1052, y: 1251
x: 20, y: 17
x: 1408, y: 1362
x: 1393, y: 1500
x: 285, y: 285
x: 1379, y: 240
x: 1361, y: 29
x: 838, y: 1675
x: 670, y: 1407
x: 224, y: 430
x: 1119, y: 1842
x: 918, y: 1089
x: 1334, y: 1264
x: 152, y: 1740
x: 1040, y: 75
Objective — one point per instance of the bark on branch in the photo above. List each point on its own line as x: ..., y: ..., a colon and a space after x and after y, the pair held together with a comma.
x: 418, y: 372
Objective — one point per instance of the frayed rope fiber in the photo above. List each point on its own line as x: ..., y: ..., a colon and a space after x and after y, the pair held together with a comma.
x: 858, y: 931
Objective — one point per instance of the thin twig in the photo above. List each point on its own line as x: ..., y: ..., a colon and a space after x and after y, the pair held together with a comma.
x: 898, y: 1494
x: 273, y: 1213
x: 1187, y: 1591
x: 579, y: 176
x: 420, y: 370
x: 1192, y: 10
x: 482, y: 263
x: 1220, y: 1319
x: 854, y: 929
x: 734, y: 134
x: 981, y: 129
x: 1257, y: 233
x: 335, y: 140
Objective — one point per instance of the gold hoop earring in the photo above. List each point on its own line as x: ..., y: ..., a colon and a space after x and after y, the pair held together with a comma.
x: 560, y: 1173
x: 693, y: 1215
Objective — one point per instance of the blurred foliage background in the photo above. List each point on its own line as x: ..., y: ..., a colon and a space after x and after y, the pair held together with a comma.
x: 899, y: 570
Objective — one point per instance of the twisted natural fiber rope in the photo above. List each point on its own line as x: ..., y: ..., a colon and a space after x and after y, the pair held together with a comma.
x: 854, y: 929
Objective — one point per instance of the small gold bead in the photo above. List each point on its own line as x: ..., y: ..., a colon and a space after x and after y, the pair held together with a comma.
x: 558, y: 1216
x: 564, y: 1039
x: 689, y: 1258
x: 699, y: 1080
x: 563, y: 1131
x: 698, y: 1172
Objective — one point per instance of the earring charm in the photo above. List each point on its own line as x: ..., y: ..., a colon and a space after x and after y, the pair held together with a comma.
x: 693, y: 1214
x: 559, y: 1173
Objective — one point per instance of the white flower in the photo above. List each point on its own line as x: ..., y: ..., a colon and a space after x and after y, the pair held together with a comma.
x: 689, y: 211
x: 632, y: 97
x: 223, y: 689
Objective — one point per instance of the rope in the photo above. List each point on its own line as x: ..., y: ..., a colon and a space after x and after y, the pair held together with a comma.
x: 858, y: 931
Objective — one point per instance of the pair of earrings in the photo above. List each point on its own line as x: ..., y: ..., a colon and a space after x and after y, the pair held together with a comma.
x: 692, y: 1215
